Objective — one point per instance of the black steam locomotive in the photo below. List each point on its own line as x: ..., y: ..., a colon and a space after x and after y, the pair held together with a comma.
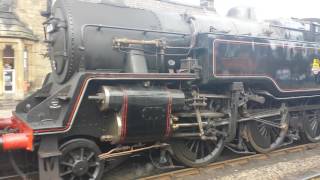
x: 126, y: 80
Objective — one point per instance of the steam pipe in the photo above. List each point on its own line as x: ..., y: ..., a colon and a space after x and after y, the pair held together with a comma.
x: 100, y: 26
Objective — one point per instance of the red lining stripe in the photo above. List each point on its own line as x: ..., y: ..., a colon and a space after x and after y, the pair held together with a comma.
x: 124, y: 116
x: 169, y: 106
x: 67, y: 126
x: 274, y: 81
x: 71, y: 115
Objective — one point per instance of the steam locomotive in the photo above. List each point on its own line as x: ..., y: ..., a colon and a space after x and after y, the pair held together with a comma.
x: 126, y: 80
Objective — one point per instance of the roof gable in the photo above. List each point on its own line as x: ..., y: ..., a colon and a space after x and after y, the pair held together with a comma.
x: 10, y: 24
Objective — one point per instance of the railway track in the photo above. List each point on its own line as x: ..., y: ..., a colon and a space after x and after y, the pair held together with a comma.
x: 178, y: 174
x: 313, y: 177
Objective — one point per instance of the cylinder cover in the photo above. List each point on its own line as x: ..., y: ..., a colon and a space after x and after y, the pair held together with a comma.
x: 139, y: 114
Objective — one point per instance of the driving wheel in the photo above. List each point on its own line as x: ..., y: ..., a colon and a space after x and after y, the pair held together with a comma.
x: 311, y: 126
x: 267, y: 134
x: 197, y: 152
x: 79, y: 160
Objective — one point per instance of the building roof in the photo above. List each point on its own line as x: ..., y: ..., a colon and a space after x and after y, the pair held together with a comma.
x: 11, y: 26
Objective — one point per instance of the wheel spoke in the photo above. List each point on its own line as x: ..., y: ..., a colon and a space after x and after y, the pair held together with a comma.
x: 188, y: 143
x: 197, y: 148
x: 274, y: 133
x: 192, y: 144
x: 198, y: 152
x: 72, y: 177
x: 315, y: 128
x: 311, y: 126
x: 202, y: 149
x: 73, y: 156
x: 90, y: 156
x: 208, y: 146
x: 314, y: 124
x: 93, y: 164
x: 82, y: 153
x: 311, y: 119
x: 318, y: 129
x: 262, y: 137
x: 79, y: 160
x: 66, y: 173
x: 263, y: 130
x: 67, y: 164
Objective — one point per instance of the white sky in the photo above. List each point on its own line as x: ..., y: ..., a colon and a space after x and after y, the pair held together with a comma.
x: 268, y: 9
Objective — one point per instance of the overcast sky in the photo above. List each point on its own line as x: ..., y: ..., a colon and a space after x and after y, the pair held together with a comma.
x: 266, y: 9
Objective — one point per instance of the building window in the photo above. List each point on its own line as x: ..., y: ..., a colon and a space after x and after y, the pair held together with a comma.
x: 8, y: 57
x: 8, y: 73
x: 25, y: 63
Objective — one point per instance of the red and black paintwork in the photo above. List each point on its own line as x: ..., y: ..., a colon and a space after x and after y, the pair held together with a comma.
x: 46, y: 116
x: 85, y: 57
x: 20, y: 135
x: 280, y: 67
x: 57, y: 108
x: 62, y: 111
x: 144, y: 112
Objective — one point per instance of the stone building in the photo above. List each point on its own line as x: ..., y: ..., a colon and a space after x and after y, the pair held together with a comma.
x: 22, y: 64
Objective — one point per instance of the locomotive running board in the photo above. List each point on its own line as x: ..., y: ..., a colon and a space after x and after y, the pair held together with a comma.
x: 142, y: 76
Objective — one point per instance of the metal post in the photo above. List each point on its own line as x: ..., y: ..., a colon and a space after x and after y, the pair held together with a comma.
x: 48, y: 157
x: 236, y: 89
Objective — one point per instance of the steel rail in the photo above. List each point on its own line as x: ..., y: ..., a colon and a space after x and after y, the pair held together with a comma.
x: 217, y: 165
x: 29, y: 174
x: 223, y: 164
x: 312, y: 177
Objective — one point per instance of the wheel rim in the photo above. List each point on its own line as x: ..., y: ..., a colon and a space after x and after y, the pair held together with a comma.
x: 197, y: 152
x: 312, y: 125
x: 262, y: 135
x: 264, y: 138
x: 201, y: 151
x: 80, y: 163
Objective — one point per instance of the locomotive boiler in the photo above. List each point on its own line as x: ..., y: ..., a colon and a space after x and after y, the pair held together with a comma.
x: 126, y: 80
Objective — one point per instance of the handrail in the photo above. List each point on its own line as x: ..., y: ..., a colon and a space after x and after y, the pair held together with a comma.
x: 101, y: 26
